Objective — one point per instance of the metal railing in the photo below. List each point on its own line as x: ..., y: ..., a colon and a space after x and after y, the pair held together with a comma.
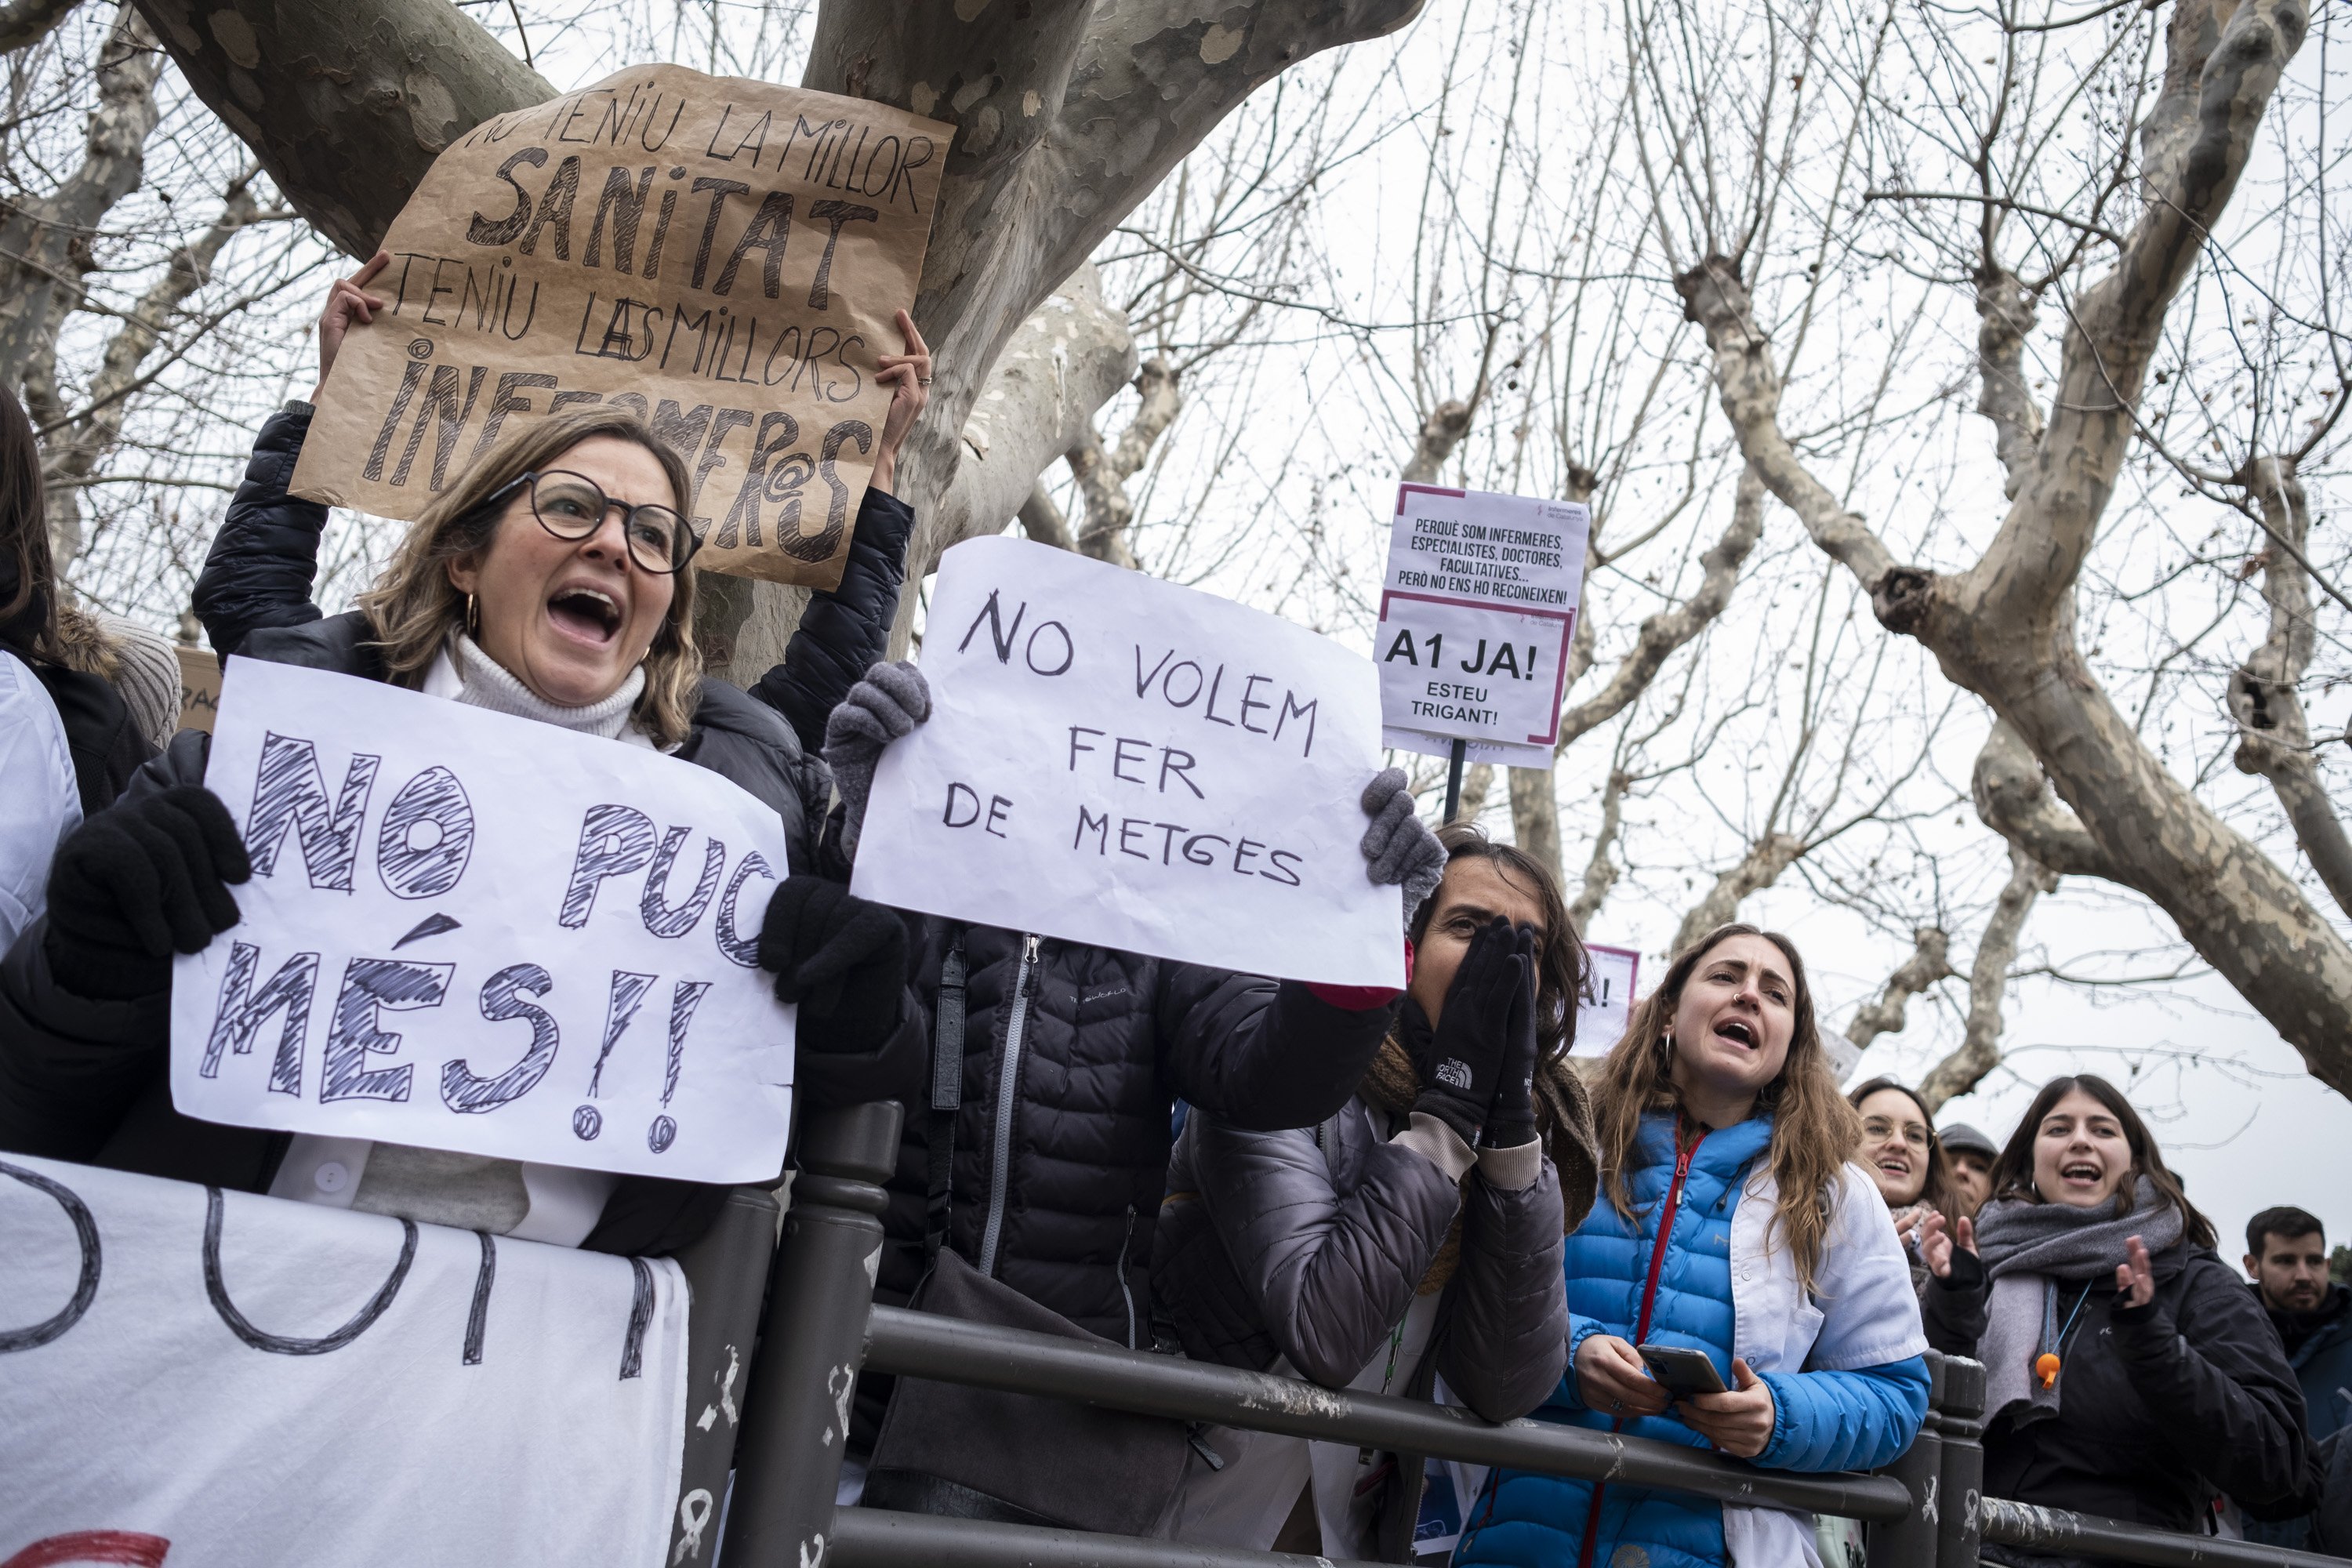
x: 821, y: 1327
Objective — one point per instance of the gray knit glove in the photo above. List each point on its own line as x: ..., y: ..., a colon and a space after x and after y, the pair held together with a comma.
x: 884, y: 707
x: 1399, y: 849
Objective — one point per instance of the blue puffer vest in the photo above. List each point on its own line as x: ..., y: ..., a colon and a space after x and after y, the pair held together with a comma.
x: 1527, y: 1520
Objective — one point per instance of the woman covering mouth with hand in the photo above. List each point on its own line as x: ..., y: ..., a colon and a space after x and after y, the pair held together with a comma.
x: 2129, y: 1372
x: 1733, y: 1224
x: 552, y: 580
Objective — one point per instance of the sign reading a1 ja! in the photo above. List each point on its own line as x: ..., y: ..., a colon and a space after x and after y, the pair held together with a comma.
x: 1476, y: 612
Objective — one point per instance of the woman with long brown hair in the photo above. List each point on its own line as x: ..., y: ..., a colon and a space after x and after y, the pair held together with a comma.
x: 2128, y: 1372
x: 1733, y: 1225
x: 552, y: 581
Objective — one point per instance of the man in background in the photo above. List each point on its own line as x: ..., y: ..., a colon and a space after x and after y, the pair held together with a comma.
x: 2286, y: 1258
x: 1969, y: 1155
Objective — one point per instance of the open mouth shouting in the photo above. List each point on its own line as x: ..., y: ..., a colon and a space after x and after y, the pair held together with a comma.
x: 2082, y: 1174
x: 586, y: 614
x: 1738, y: 1032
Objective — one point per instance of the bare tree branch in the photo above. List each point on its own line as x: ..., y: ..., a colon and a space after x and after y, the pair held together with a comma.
x: 1042, y: 519
x: 2265, y: 698
x: 24, y: 22
x: 1600, y: 869
x: 45, y: 244
x: 1103, y: 472
x: 1996, y: 954
x: 1929, y: 963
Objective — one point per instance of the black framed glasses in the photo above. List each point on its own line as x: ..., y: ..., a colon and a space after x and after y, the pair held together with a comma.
x: 573, y: 506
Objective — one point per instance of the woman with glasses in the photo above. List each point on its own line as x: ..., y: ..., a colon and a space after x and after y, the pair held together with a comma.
x: 552, y: 581
x: 1899, y: 1150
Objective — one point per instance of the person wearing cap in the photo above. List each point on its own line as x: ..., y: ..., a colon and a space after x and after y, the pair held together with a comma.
x: 1968, y: 1155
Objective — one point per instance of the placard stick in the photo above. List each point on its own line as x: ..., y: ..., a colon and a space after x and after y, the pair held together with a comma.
x: 1454, y: 780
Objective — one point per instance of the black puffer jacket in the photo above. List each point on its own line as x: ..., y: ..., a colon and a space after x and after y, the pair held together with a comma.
x: 2161, y: 1407
x: 1059, y: 1167
x: 87, y: 1080
x: 265, y: 558
x: 1311, y: 1244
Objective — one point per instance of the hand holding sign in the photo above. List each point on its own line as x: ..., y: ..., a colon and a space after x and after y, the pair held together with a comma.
x: 1118, y: 761
x: 470, y: 932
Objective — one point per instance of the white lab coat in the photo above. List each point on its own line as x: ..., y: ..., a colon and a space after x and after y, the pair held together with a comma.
x: 40, y: 802
x: 1861, y: 1313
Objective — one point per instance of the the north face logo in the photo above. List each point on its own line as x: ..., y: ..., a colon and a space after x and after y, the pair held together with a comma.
x: 1453, y: 1073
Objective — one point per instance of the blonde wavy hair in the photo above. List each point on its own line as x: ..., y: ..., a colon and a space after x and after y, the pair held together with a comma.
x: 1814, y: 1131
x: 414, y: 606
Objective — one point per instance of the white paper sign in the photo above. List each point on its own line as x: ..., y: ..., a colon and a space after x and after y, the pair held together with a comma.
x: 193, y: 1379
x: 472, y: 931
x: 1115, y: 760
x: 1607, y: 1005
x: 1476, y: 612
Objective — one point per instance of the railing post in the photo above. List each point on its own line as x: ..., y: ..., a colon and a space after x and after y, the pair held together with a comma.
x: 796, y: 1419
x: 1963, y: 1431
x: 1910, y: 1541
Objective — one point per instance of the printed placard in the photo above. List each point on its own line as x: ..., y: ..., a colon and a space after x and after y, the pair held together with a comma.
x: 1476, y: 611
x: 1116, y: 759
x: 1607, y: 1005
x: 472, y: 931
x: 724, y: 255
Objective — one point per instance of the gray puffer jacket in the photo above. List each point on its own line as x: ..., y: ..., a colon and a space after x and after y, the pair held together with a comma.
x: 1311, y: 1245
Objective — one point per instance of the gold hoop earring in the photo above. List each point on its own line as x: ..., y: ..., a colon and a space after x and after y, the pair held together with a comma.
x: 473, y: 618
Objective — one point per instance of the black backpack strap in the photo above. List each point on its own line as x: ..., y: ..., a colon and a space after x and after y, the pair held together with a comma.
x: 947, y: 1098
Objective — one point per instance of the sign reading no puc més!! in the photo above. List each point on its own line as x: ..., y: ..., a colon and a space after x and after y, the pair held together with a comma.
x: 724, y: 256
x: 1479, y: 604
x: 471, y: 932
x: 1116, y: 759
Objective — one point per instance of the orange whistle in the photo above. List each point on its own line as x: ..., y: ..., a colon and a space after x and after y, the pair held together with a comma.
x: 2045, y: 1366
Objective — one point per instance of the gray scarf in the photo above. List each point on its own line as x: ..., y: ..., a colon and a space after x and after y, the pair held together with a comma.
x: 2027, y: 1249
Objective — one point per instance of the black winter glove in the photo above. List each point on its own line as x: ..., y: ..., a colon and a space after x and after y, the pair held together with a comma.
x: 137, y: 883
x: 1473, y: 1035
x: 1511, y: 1119
x: 842, y: 958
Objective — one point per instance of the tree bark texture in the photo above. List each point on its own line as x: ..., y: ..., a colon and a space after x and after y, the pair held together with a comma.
x: 1755, y: 871
x: 28, y: 22
x: 2005, y: 628
x: 1600, y: 869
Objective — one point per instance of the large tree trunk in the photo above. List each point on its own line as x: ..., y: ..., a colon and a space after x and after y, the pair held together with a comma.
x: 1068, y: 114
x: 2005, y: 628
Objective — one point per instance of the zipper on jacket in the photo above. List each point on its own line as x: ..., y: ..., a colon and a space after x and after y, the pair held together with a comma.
x: 1008, y: 1092
x: 1127, y: 1294
x: 1667, y: 1209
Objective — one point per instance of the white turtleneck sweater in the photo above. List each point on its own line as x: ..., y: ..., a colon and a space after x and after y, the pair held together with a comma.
x: 554, y: 1204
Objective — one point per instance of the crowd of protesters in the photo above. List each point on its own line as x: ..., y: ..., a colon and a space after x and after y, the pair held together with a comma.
x: 1703, y: 1241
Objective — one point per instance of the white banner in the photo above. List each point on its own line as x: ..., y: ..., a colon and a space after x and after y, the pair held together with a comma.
x: 471, y: 932
x: 1476, y: 611
x: 1607, y: 1005
x: 1116, y: 759
x: 198, y: 1380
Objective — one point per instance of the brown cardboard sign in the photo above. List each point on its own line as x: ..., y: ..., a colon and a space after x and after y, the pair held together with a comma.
x: 200, y: 687
x: 724, y: 255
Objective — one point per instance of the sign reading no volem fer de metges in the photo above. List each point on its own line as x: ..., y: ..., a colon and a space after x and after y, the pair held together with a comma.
x: 724, y: 255
x: 1476, y: 616
x: 471, y: 932
x: 1116, y: 759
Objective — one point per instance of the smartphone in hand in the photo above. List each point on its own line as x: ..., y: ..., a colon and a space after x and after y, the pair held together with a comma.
x: 1682, y: 1371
